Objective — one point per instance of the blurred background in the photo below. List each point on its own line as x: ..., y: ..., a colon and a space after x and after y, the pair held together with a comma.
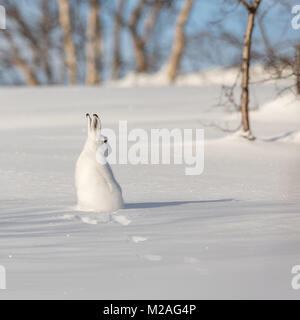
x: 62, y: 42
x: 231, y: 232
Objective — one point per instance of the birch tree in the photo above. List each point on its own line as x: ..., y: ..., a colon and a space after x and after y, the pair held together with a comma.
x: 137, y: 42
x: 179, y: 40
x: 140, y: 39
x: 252, y: 10
x: 69, y: 47
x: 297, y: 66
x: 118, y: 23
x: 46, y: 45
x: 17, y: 60
x: 94, y: 46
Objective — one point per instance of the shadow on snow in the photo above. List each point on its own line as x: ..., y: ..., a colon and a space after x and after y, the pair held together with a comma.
x: 148, y: 205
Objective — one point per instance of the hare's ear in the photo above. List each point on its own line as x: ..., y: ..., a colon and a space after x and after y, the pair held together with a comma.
x: 96, y: 123
x: 89, y: 121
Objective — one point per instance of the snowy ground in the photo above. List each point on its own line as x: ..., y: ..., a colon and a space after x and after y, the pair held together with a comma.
x: 232, y: 232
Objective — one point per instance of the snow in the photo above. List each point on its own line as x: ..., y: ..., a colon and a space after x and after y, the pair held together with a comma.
x: 292, y: 137
x: 213, y: 76
x: 232, y: 232
x: 283, y: 109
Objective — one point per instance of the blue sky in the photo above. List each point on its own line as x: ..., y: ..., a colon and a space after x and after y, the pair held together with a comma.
x: 228, y: 15
x: 213, y: 16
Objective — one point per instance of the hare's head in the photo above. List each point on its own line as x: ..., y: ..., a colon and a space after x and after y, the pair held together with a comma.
x: 94, y: 130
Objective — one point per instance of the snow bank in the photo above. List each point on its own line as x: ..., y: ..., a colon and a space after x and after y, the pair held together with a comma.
x: 232, y: 232
x: 283, y: 109
x: 293, y: 137
x: 215, y: 76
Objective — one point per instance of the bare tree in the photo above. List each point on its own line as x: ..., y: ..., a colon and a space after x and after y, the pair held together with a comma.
x: 46, y: 28
x: 252, y: 10
x: 298, y: 69
x: 94, y: 46
x: 279, y: 59
x: 116, y: 65
x: 17, y: 60
x: 179, y: 40
x: 69, y: 47
x: 138, y: 43
x: 140, y: 39
x: 15, y: 57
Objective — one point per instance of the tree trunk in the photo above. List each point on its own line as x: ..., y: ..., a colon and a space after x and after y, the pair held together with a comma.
x: 30, y: 77
x: 20, y: 63
x: 298, y: 69
x: 152, y: 19
x: 179, y: 41
x: 46, y: 41
x: 117, y: 42
x: 26, y: 32
x: 140, y: 55
x: 137, y: 42
x: 245, y: 73
x: 246, y: 67
x: 94, y: 47
x: 70, y: 52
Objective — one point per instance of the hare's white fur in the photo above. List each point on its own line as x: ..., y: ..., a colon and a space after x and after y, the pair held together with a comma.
x: 96, y: 186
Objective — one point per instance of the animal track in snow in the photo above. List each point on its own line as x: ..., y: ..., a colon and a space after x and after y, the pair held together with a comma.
x: 96, y: 218
x: 137, y: 239
x: 122, y: 220
x: 68, y: 216
x: 196, y: 264
x: 191, y: 260
x: 89, y: 220
x: 152, y: 257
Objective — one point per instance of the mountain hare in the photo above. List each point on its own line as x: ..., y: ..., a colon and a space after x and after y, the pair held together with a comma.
x: 97, y: 188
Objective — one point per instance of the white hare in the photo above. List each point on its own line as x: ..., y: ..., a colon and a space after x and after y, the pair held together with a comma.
x: 97, y: 188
